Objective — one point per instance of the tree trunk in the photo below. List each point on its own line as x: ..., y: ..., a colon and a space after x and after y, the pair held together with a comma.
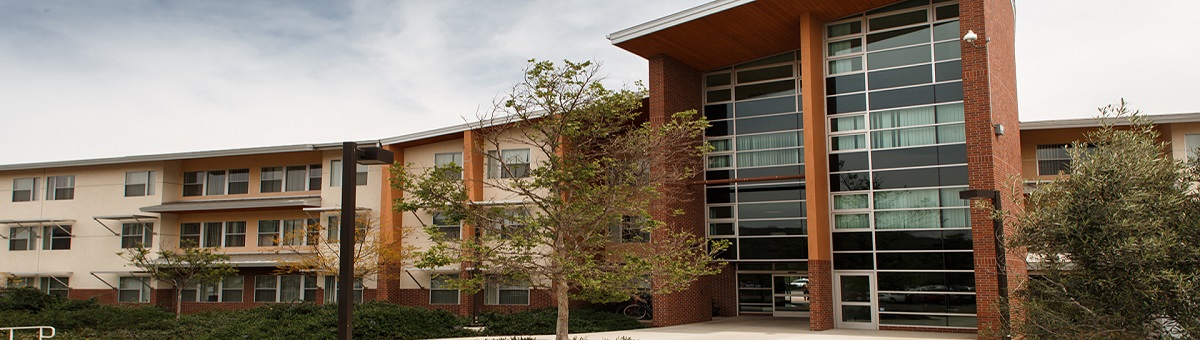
x: 560, y: 295
x: 179, y: 302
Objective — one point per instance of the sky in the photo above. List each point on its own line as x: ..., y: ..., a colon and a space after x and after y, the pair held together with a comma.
x: 94, y: 79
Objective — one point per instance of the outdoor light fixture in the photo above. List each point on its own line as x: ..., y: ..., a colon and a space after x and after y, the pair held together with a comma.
x: 999, y: 129
x: 351, y: 157
x: 998, y: 235
x: 971, y: 37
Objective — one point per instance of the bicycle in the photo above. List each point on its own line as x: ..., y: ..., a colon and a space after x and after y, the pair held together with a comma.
x: 640, y: 309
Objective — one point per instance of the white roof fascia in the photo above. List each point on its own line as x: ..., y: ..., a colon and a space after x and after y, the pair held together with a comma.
x: 674, y: 20
x: 1095, y: 121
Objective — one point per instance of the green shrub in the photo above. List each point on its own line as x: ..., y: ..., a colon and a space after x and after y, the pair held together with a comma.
x: 26, y: 299
x: 542, y: 321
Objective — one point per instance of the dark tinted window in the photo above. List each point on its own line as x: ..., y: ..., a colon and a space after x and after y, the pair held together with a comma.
x: 902, y: 158
x: 722, y: 128
x: 718, y: 174
x: 766, y: 106
x: 903, y: 97
x: 948, y: 92
x: 718, y: 111
x: 913, y: 178
x: 848, y: 161
x: 900, y: 77
x: 843, y: 104
x: 775, y: 227
x: 775, y: 248
x: 909, y: 240
x: 719, y: 195
x: 768, y: 124
x: 853, y: 261
x: 729, y: 253
x: 897, y: 38
x: 950, y: 70
x: 850, y: 182
x: 778, y: 88
x: 773, y: 171
x: 844, y: 84
x: 852, y: 241
x: 771, y: 193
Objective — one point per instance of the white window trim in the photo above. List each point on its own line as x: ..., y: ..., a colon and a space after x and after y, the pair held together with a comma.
x: 492, y: 294
x: 221, y: 288
x: 335, y: 173
x: 206, y: 237
x: 278, y: 288
x: 432, y: 288
x: 146, y: 235
x: 33, y: 189
x: 53, y: 184
x: 143, y: 289
x: 147, y: 190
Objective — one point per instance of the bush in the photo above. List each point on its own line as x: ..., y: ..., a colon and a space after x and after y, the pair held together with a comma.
x: 542, y: 321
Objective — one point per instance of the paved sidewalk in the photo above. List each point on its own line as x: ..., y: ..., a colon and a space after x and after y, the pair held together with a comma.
x: 750, y: 328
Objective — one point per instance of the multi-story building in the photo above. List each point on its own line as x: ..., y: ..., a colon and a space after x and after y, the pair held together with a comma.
x: 843, y: 134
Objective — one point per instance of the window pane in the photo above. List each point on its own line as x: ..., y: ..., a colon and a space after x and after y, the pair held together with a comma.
x: 297, y: 178
x: 844, y: 47
x: 897, y: 20
x: 897, y: 38
x: 784, y: 71
x: 853, y: 27
x: 786, y: 87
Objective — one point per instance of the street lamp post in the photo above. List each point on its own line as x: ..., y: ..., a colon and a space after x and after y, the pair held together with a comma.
x: 351, y: 157
x: 998, y: 235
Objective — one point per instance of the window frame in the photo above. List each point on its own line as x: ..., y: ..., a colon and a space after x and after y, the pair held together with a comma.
x: 30, y: 238
x: 32, y: 191
x: 55, y: 285
x: 494, y: 289
x: 57, y: 190
x: 456, y: 158
x: 144, y: 238
x: 204, y: 236
x: 500, y: 167
x: 331, y: 295
x: 143, y: 292
x: 437, y: 284
x: 335, y: 173
x: 56, y: 237
x: 1065, y: 160
x: 442, y: 225
x: 222, y: 288
x: 629, y: 229
x: 147, y: 185
x: 276, y: 289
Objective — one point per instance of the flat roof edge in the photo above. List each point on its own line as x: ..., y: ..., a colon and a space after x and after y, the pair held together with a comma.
x: 1171, y: 118
x: 673, y: 20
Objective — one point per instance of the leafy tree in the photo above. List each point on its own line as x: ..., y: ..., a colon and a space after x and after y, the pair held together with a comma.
x: 1116, y: 238
x: 317, y: 254
x: 185, y: 267
x: 593, y: 165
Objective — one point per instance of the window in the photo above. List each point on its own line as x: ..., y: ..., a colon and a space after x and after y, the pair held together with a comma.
x: 213, y: 234
x: 134, y: 235
x: 450, y: 229
x: 57, y: 286
x: 134, y: 289
x: 331, y: 284
x: 440, y: 291
x: 333, y: 232
x: 228, y: 290
x: 271, y: 179
x: 215, y: 182
x: 18, y: 282
x: 24, y: 189
x: 513, y: 222
x: 512, y: 163
x: 268, y: 233
x: 1191, y: 142
x: 297, y: 232
x: 444, y: 159
x: 295, y: 178
x: 60, y: 188
x: 139, y: 183
x: 285, y: 288
x: 21, y: 238
x: 335, y: 174
x: 235, y: 234
x: 189, y: 234
x: 629, y: 229
x: 193, y: 183
x: 506, y: 293
x: 1052, y: 158
x: 56, y: 237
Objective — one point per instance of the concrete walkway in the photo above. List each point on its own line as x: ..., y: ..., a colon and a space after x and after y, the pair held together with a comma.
x: 750, y: 328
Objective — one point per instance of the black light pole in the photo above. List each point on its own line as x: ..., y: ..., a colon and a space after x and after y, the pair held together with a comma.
x: 998, y: 235
x: 351, y: 157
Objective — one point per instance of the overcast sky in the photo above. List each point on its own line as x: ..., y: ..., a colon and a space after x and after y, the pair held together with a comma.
x: 87, y: 79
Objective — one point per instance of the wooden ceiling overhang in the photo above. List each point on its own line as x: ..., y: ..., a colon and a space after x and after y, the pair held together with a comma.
x: 732, y: 35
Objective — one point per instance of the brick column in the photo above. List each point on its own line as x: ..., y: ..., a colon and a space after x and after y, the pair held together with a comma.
x: 993, y: 162
x: 816, y: 172
x: 390, y: 224
x: 675, y: 87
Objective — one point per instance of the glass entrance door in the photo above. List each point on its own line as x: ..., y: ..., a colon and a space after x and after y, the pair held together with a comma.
x: 790, y: 295
x: 855, y: 300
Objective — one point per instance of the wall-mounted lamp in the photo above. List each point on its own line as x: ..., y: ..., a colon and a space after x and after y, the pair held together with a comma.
x: 971, y: 37
x: 999, y: 129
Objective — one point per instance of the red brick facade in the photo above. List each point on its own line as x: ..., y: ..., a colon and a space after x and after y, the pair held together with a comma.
x: 994, y: 161
x: 676, y: 87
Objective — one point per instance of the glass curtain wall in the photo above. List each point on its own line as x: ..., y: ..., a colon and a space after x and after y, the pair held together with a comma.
x: 897, y: 158
x: 756, y: 135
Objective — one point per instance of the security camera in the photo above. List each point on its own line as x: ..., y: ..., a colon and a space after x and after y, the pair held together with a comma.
x: 970, y: 37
